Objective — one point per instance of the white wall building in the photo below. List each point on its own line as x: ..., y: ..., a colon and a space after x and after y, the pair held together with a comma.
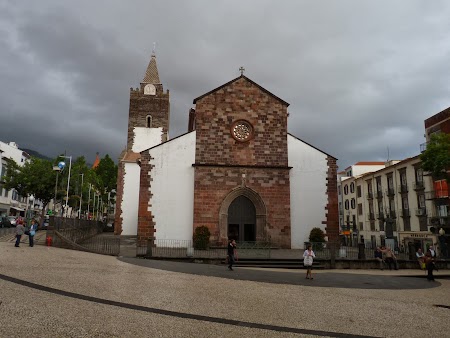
x: 10, y: 202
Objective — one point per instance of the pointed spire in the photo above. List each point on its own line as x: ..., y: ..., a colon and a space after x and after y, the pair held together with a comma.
x: 151, y: 75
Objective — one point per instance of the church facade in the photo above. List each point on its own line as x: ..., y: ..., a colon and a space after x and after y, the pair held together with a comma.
x: 236, y: 171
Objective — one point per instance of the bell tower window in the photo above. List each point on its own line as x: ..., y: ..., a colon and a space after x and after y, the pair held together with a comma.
x: 148, y: 121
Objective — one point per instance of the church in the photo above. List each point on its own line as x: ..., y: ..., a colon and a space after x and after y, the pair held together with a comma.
x: 236, y: 170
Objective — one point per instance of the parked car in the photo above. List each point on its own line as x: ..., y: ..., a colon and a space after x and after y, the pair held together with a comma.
x: 5, y: 222
x: 12, y: 220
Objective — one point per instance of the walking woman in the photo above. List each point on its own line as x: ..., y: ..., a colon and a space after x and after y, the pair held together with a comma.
x: 308, y: 256
x: 20, y: 230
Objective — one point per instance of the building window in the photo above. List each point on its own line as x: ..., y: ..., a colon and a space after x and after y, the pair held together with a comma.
x: 352, y: 187
x: 421, y: 201
x: 339, y: 189
x: 419, y: 175
x: 359, y: 208
x: 346, y: 189
x: 347, y: 205
x: 405, y: 203
x: 369, y: 187
x: 390, y: 181
x: 148, y: 121
x: 359, y: 191
x: 353, y: 203
x: 403, y: 178
x: 379, y: 184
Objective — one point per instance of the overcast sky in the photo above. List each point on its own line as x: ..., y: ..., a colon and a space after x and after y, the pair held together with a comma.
x: 360, y: 76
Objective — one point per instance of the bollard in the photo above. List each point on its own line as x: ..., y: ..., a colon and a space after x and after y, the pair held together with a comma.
x: 48, y: 241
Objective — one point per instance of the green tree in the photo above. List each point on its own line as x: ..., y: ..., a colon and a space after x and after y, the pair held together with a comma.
x: 436, y: 158
x: 36, y: 177
x: 106, y: 172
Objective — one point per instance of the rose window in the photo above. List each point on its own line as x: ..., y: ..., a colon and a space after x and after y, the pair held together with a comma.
x: 242, y: 130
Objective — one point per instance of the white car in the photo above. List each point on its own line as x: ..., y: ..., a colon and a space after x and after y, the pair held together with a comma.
x: 12, y: 220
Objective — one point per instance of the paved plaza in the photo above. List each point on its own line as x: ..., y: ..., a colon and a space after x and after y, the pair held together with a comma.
x: 51, y: 292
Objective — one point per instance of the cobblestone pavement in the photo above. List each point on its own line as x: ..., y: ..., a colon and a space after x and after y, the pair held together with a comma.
x: 51, y: 292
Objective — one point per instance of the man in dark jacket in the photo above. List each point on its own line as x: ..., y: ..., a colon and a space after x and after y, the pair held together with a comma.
x: 231, y: 253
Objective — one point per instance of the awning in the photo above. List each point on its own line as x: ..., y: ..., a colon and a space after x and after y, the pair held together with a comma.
x: 16, y: 208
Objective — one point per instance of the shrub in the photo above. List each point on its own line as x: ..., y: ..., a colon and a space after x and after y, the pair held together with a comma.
x: 201, y: 238
x: 316, y: 235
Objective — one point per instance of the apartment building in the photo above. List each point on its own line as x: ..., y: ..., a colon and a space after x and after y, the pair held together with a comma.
x: 394, y: 205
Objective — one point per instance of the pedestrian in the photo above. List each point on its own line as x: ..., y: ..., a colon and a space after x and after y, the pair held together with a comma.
x: 32, y: 232
x: 19, y: 231
x: 308, y: 257
x: 420, y: 258
x: 429, y: 262
x: 379, y: 257
x: 231, y: 254
x: 432, y: 252
x: 390, y: 259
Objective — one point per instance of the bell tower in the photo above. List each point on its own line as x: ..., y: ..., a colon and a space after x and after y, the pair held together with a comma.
x: 148, y: 126
x: 149, y: 109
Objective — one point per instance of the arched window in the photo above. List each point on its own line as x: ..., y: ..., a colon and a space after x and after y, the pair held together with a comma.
x: 352, y: 187
x: 346, y: 189
x: 148, y: 121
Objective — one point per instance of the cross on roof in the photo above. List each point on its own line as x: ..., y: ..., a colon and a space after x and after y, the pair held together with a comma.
x: 242, y: 70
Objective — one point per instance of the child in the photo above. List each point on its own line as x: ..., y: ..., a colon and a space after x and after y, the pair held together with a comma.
x: 308, y: 256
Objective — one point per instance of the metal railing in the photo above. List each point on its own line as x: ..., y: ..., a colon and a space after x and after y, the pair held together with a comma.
x: 421, y: 212
x: 6, y: 233
x: 402, y: 188
x: 174, y: 248
x: 418, y: 185
x: 82, y: 235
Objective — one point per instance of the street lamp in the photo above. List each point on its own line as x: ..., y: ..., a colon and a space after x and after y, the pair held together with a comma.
x: 68, y: 179
x: 81, y: 195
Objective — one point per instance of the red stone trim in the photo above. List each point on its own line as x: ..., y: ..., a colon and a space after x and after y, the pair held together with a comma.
x: 146, y: 225
x: 332, y: 222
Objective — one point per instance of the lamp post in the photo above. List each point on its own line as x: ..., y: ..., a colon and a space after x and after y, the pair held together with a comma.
x: 68, y: 183
x: 81, y: 195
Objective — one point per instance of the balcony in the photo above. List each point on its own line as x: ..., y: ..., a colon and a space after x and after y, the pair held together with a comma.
x: 371, y: 216
x: 421, y: 212
x: 437, y: 221
x: 380, y: 215
x: 418, y: 185
x: 436, y: 194
x: 390, y: 192
x: 403, y: 188
x: 406, y: 213
x: 392, y: 214
x: 379, y: 194
x: 369, y: 195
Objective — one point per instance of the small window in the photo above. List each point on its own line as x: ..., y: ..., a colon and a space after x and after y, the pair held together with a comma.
x: 421, y: 201
x: 419, y: 175
x: 346, y: 189
x: 347, y: 205
x: 359, y: 191
x: 352, y: 187
x: 339, y: 189
x: 353, y: 203
x: 359, y: 208
x: 148, y: 121
x: 405, y: 203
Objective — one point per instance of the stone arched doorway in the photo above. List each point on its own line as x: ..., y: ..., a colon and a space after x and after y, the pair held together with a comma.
x: 252, y: 211
x: 242, y: 220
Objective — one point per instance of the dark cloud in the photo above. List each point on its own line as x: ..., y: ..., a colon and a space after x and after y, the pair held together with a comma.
x: 360, y: 76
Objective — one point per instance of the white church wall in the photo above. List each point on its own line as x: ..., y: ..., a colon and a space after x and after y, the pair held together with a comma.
x: 172, y: 187
x: 308, y: 190
x: 145, y: 138
x: 130, y: 201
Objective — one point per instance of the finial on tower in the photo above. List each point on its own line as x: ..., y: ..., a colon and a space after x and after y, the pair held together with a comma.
x: 154, y: 49
x: 242, y: 70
